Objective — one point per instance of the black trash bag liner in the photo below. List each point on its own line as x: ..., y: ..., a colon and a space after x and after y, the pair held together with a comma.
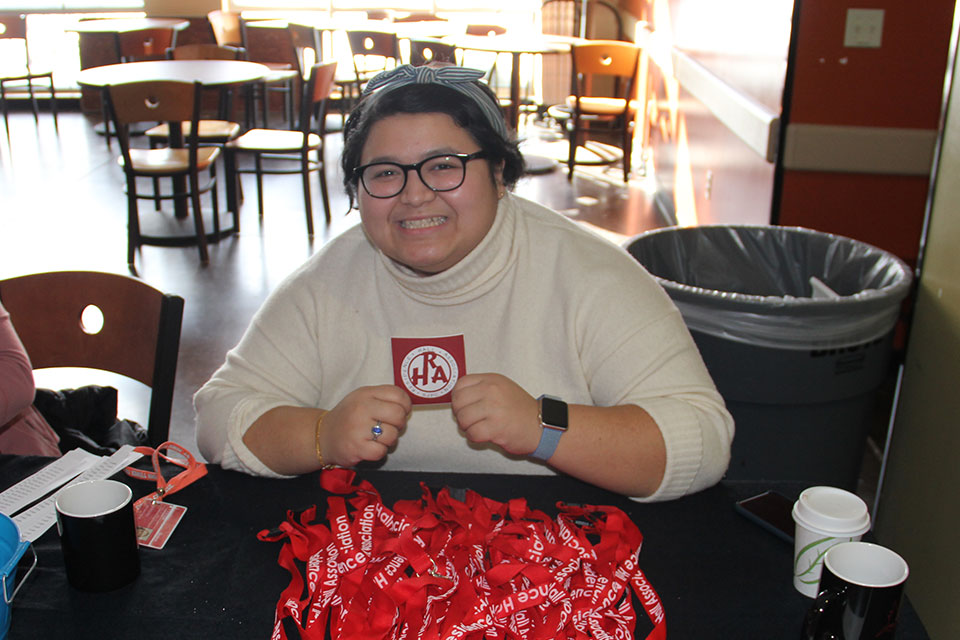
x: 773, y: 286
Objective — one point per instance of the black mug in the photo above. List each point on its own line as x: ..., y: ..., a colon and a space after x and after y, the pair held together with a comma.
x: 859, y: 596
x: 98, y: 535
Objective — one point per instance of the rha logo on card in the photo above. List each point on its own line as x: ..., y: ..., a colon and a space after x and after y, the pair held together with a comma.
x: 428, y: 368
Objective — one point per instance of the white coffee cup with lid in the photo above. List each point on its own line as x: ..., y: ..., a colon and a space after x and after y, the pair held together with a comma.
x: 824, y: 516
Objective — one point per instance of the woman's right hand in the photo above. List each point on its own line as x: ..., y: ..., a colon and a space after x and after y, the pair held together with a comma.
x: 346, y: 435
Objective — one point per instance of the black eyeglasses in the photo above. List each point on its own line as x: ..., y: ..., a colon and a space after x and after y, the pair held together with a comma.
x: 439, y: 173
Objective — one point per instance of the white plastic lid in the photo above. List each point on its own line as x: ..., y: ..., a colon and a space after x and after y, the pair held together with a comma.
x: 832, y: 511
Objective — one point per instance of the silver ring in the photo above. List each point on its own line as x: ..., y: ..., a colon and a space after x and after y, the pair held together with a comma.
x: 377, y: 431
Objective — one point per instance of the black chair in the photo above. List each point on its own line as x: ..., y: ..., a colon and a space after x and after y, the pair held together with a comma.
x: 13, y: 28
x: 182, y: 160
x: 139, y: 337
x: 281, y: 148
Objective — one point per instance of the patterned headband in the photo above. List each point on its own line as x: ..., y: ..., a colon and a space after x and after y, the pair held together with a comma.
x: 462, y: 79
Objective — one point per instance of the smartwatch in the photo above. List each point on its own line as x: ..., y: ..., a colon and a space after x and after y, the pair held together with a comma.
x: 553, y: 420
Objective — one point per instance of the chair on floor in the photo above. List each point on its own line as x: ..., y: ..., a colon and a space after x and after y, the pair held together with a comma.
x: 215, y: 131
x: 146, y: 44
x: 136, y: 334
x: 426, y: 50
x: 286, y: 75
x: 372, y: 52
x: 272, y: 44
x: 182, y: 160
x: 280, y: 148
x: 588, y: 111
x: 16, y: 70
x: 212, y: 131
x: 600, y: 20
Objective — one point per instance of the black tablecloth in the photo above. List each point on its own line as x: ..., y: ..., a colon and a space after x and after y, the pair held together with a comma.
x: 718, y: 575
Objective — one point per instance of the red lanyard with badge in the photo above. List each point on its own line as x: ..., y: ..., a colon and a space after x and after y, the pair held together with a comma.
x: 442, y: 568
x: 155, y: 518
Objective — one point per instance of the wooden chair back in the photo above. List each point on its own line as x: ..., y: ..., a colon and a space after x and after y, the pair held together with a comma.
x: 373, y: 51
x: 227, y: 28
x: 139, y: 337
x: 13, y: 26
x: 273, y: 46
x: 426, y: 51
x: 147, y: 44
x: 486, y: 29
x: 152, y: 101
x: 606, y: 58
x: 206, y: 51
x: 320, y: 82
x: 420, y: 17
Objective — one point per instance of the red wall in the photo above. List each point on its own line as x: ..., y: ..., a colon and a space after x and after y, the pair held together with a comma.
x: 898, y: 85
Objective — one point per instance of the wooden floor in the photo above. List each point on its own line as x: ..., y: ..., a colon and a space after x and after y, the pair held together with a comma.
x: 62, y: 206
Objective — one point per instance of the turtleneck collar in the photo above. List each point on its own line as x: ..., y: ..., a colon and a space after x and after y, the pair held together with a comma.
x: 478, y: 272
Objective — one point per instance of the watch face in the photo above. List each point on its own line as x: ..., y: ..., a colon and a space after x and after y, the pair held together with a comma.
x: 553, y: 412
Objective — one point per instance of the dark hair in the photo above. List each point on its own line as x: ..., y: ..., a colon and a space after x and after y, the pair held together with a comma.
x: 427, y: 98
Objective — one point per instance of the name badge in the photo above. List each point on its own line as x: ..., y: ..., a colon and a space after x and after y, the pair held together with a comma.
x: 428, y: 368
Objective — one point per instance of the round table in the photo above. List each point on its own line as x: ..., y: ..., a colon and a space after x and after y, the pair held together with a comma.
x: 128, y: 25
x: 209, y: 73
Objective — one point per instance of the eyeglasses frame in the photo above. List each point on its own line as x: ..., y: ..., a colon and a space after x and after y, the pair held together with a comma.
x: 406, y: 168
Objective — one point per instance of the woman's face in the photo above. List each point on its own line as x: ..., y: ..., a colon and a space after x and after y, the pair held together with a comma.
x: 428, y: 231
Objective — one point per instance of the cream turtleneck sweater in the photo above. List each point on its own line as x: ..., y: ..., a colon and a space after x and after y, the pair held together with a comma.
x: 540, y: 300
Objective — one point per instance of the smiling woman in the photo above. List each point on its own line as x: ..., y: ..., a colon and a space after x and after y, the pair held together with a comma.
x: 442, y: 332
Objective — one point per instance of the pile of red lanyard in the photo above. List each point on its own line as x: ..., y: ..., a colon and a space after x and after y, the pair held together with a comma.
x: 445, y: 568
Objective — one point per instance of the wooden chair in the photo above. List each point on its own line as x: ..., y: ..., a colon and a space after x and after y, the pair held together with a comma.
x: 13, y: 29
x: 227, y: 28
x: 182, y: 160
x: 139, y: 337
x: 282, y: 147
x: 146, y: 44
x: 586, y: 110
x: 426, y: 50
x: 274, y: 47
x: 286, y: 75
x: 372, y: 52
x: 600, y: 21
x: 212, y: 131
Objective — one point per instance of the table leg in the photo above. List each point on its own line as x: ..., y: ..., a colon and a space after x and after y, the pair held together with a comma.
x: 513, y: 115
x: 180, y: 206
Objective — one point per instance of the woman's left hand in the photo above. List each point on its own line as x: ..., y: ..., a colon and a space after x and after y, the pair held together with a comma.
x: 493, y: 408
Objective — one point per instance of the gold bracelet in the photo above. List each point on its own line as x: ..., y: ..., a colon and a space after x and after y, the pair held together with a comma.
x: 316, y: 441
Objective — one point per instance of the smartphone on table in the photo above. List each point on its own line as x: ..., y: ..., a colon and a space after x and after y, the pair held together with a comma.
x: 771, y: 510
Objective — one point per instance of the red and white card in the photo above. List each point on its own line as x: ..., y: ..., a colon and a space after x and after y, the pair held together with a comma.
x: 156, y: 521
x: 428, y: 368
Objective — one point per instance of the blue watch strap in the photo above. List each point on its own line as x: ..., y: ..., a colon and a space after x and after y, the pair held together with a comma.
x: 549, y: 439
x: 553, y: 421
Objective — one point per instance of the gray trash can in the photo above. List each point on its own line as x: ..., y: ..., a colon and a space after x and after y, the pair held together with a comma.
x: 796, y: 327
